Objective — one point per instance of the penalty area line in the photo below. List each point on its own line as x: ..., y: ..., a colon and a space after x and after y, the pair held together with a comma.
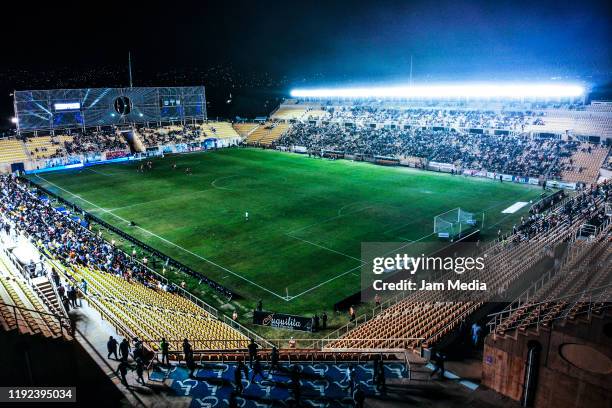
x: 324, y: 247
x: 170, y: 242
x: 355, y: 268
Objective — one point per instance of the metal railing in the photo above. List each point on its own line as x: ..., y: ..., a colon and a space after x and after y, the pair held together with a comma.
x: 11, y: 258
x: 524, y: 300
x: 65, y: 324
x: 595, y: 303
x: 80, y: 337
x: 293, y: 356
x: 186, y: 294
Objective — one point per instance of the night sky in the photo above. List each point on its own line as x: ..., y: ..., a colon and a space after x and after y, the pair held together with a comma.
x: 283, y: 44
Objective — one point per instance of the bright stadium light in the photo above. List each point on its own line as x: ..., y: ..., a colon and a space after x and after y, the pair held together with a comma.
x: 14, y: 120
x: 507, y: 90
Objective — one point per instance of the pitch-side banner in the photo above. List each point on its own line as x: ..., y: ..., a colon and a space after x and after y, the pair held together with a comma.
x: 282, y: 321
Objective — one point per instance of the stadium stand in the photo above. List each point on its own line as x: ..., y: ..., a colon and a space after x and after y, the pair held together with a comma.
x: 45, y: 147
x: 422, y: 319
x: 167, y: 135
x: 89, y: 141
x: 316, y: 114
x: 222, y: 130
x: 121, y: 288
x: 571, y: 290
x: 12, y: 150
x: 22, y: 309
x: 584, y: 164
x: 267, y: 134
x: 285, y: 112
x: 244, y: 129
x: 518, y: 154
x: 152, y: 313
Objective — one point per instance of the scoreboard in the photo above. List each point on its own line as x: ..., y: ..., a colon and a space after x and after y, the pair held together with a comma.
x: 89, y: 107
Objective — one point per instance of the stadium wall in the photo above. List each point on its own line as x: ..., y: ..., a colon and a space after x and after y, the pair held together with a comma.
x: 574, y: 367
x: 85, y: 160
x: 56, y: 363
x: 435, y: 166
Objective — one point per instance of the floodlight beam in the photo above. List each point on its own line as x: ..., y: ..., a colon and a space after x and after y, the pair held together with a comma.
x: 476, y: 91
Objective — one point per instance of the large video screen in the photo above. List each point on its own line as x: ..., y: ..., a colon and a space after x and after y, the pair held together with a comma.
x: 77, y: 108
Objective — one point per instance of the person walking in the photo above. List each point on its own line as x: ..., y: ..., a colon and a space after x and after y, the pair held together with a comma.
x: 359, y: 398
x: 437, y: 359
x: 240, y: 368
x: 111, y: 346
x: 476, y: 331
x: 375, y: 370
x: 121, y: 371
x: 66, y: 303
x: 381, y: 384
x: 257, y: 370
x: 72, y: 295
x: 140, y: 371
x: 124, y: 350
x: 164, y: 346
x: 186, y: 348
x: 191, y: 365
x: 274, y: 358
x: 324, y: 320
x: 55, y: 276
x: 252, y: 352
x: 295, y: 384
x: 352, y: 374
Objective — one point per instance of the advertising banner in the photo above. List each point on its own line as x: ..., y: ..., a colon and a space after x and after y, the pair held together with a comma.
x: 282, y: 321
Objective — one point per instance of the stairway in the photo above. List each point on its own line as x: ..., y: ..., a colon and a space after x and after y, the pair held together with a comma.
x: 49, y: 296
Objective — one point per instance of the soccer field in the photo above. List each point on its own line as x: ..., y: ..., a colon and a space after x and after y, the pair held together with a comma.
x: 300, y: 248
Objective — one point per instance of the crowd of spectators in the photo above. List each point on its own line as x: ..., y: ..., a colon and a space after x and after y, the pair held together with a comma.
x: 587, y: 205
x: 517, y: 154
x: 67, y: 239
x: 152, y: 137
x: 451, y: 118
x: 89, y: 141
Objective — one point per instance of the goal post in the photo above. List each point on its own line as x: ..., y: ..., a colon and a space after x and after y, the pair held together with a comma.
x: 453, y: 223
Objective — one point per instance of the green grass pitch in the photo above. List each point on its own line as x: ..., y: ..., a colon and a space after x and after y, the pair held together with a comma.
x: 307, y: 217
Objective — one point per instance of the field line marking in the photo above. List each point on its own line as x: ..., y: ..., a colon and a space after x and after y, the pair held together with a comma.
x: 213, y: 183
x: 99, y: 172
x: 357, y: 267
x: 169, y: 242
x: 325, y: 282
x: 324, y: 247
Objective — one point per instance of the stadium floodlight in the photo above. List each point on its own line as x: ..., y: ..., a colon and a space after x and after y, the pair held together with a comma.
x: 478, y: 91
x: 14, y: 120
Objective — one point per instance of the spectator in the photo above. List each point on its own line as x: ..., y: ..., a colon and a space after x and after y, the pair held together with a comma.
x: 164, y: 347
x: 124, y: 350
x: 111, y: 346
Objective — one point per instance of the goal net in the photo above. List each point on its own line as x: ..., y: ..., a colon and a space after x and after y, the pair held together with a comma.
x: 453, y: 223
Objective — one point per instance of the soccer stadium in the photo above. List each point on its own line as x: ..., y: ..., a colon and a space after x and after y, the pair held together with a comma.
x: 420, y: 242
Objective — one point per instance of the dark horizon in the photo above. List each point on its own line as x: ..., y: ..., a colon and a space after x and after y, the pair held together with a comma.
x: 271, y: 47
